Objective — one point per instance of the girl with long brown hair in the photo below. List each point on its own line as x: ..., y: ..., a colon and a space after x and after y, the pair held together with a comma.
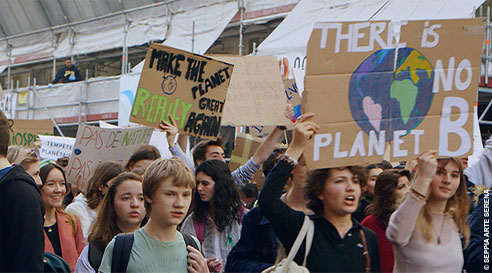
x: 122, y: 210
x: 85, y: 204
x: 426, y: 230
x: 389, y: 189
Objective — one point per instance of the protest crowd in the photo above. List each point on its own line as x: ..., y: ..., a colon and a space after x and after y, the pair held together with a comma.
x: 188, y: 215
x: 298, y: 201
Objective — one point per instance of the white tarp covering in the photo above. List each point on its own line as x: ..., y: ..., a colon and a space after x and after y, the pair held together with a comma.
x: 128, y: 89
x: 211, y: 18
x: 210, y: 21
x: 8, y: 104
x: 173, y: 21
x: 289, y: 39
x: 63, y: 100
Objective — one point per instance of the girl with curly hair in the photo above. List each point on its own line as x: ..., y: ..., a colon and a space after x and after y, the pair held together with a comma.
x: 217, y: 213
x: 339, y: 242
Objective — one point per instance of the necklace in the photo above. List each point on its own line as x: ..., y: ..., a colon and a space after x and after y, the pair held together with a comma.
x: 440, y: 232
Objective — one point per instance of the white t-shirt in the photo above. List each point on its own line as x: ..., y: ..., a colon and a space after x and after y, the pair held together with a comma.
x: 86, y: 215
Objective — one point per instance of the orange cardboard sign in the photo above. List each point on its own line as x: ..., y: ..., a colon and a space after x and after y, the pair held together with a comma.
x: 373, y: 93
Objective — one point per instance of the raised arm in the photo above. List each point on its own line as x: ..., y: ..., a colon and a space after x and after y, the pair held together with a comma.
x: 285, y: 221
x: 171, y: 130
x: 403, y: 221
x: 267, y: 147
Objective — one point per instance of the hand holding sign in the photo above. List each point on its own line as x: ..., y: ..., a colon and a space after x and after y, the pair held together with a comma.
x: 427, y: 164
x: 289, y: 112
x: 171, y: 129
x: 304, y: 130
x: 426, y: 171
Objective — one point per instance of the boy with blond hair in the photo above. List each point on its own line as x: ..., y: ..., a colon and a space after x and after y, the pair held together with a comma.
x: 158, y: 247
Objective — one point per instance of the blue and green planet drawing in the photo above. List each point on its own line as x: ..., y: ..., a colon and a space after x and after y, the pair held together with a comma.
x: 388, y: 96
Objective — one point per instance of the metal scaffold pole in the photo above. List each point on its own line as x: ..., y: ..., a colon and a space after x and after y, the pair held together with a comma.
x: 33, y: 88
x: 241, y: 26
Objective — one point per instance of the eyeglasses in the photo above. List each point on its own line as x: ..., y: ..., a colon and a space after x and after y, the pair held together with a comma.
x: 32, y: 154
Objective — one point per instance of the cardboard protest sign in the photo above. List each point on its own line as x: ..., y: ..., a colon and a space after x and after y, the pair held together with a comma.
x: 260, y: 130
x: 373, y: 94
x: 245, y: 147
x: 54, y: 147
x: 190, y: 87
x: 255, y: 95
x: 26, y: 131
x: 94, y: 144
x: 292, y: 96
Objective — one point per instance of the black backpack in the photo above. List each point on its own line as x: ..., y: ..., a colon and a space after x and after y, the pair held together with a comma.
x: 55, y: 264
x: 122, y: 248
x: 95, y: 256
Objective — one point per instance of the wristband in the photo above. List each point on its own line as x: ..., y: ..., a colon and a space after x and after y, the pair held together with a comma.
x: 290, y: 160
x: 419, y: 195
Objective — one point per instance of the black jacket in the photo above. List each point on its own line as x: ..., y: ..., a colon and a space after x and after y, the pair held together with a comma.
x: 359, y: 214
x: 21, y: 223
x: 257, y: 248
x: 329, y: 252
x: 474, y: 254
x: 65, y: 72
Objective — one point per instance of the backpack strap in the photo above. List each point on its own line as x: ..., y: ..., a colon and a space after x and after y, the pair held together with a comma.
x: 199, y: 227
x: 122, y: 248
x: 95, y: 256
x: 189, y: 241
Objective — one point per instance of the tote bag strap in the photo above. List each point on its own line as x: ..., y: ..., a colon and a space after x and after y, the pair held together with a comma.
x: 297, y: 244
x: 309, y: 239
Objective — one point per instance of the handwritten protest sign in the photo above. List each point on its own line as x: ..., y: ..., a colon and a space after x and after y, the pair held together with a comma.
x: 374, y: 94
x: 292, y: 96
x: 26, y: 131
x: 190, y: 87
x: 260, y: 130
x: 255, y: 95
x: 94, y: 144
x: 245, y: 147
x: 54, y: 147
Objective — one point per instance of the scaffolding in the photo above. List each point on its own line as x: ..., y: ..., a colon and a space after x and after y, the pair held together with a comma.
x: 37, y: 102
x: 485, y: 90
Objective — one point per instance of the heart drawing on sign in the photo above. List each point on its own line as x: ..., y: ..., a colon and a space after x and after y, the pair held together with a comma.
x: 372, y: 111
